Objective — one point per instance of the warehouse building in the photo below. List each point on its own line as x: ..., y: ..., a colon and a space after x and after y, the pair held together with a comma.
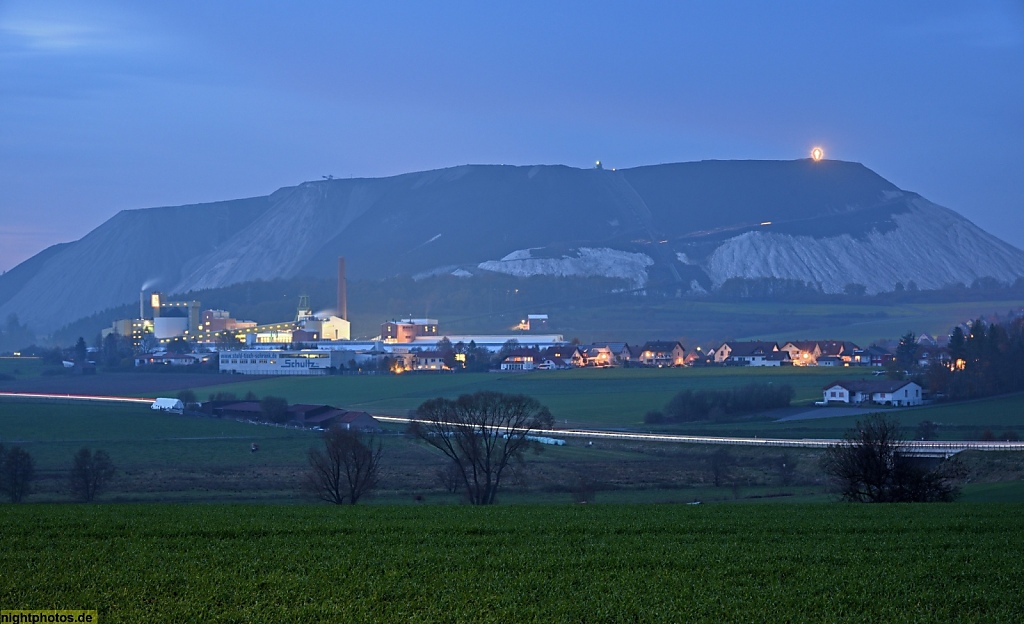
x: 282, y: 362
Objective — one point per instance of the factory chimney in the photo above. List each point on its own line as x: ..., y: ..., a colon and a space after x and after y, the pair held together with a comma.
x: 342, y: 294
x: 142, y: 298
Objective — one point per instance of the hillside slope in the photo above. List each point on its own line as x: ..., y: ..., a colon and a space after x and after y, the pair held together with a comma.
x: 684, y: 227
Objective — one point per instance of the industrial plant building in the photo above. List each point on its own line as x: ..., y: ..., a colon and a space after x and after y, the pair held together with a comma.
x: 407, y: 330
x: 282, y: 362
x: 311, y: 344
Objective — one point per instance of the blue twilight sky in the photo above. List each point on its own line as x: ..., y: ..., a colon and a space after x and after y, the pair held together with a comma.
x: 108, y: 105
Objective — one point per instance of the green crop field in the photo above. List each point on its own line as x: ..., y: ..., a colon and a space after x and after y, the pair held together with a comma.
x: 598, y: 563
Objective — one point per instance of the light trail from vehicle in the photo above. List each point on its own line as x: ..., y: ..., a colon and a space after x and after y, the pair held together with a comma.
x: 916, y: 447
x: 76, y: 397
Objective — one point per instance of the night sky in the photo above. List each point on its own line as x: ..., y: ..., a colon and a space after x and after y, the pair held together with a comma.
x: 106, y: 106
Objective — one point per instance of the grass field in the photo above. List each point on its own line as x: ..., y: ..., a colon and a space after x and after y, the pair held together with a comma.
x: 588, y: 397
x: 142, y: 438
x: 619, y: 398
x: 957, y: 421
x: 164, y: 457
x: 598, y: 563
x: 21, y: 367
x: 182, y: 458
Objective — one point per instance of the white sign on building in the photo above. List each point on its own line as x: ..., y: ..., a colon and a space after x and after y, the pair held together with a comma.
x: 279, y: 362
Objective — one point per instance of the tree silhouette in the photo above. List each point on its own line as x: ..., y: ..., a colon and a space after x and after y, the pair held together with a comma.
x: 482, y: 434
x: 90, y: 474
x: 17, y: 469
x: 871, y: 465
x: 346, y: 469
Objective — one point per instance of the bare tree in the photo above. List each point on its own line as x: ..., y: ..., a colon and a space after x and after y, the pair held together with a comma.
x: 17, y: 469
x: 483, y: 434
x: 871, y: 464
x: 90, y: 474
x: 721, y: 464
x: 347, y: 468
x: 450, y: 477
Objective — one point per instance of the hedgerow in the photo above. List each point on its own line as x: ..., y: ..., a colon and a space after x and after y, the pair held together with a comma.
x: 691, y: 405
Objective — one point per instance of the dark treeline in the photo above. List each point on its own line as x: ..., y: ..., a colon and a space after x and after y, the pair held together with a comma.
x: 14, y: 335
x: 986, y: 360
x: 694, y: 405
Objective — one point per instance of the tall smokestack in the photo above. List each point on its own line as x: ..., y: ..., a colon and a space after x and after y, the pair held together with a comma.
x: 142, y: 298
x: 342, y: 295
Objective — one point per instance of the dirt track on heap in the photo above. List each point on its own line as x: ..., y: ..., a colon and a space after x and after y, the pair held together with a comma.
x: 120, y: 384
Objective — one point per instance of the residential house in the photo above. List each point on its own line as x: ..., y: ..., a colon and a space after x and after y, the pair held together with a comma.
x: 519, y: 360
x: 551, y: 363
x: 878, y: 356
x: 841, y: 349
x: 621, y: 353
x: 803, y: 352
x: 752, y: 353
x: 703, y: 357
x: 694, y: 358
x: 775, y: 358
x: 635, y: 353
x: 830, y: 360
x: 926, y: 355
x: 597, y: 355
x: 662, y: 353
x: 880, y: 391
x: 559, y: 352
x: 860, y: 358
x: 578, y: 357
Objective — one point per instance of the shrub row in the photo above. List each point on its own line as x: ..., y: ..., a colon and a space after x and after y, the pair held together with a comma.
x: 694, y: 405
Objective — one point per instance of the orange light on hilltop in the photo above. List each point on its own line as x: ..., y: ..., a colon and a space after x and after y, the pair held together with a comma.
x: 817, y: 154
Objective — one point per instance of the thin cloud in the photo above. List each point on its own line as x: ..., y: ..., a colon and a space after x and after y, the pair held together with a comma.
x: 981, y: 28
x: 47, y: 36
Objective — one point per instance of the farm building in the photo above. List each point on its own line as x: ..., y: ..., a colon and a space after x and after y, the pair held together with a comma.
x: 168, y: 405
